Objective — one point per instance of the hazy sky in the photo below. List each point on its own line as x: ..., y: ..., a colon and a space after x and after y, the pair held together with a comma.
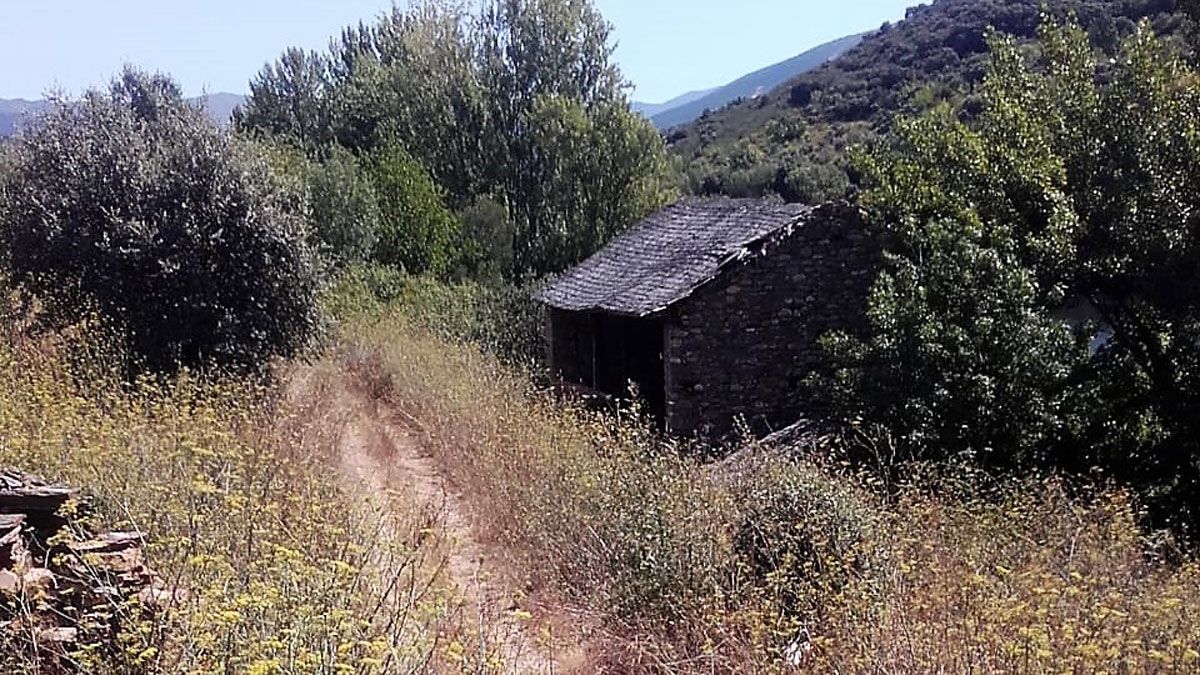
x: 666, y: 47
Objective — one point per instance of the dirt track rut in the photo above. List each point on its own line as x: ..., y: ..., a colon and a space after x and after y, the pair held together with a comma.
x: 380, y: 455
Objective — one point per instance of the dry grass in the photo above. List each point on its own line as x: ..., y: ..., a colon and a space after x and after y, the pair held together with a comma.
x: 597, y: 512
x: 278, y: 568
x: 1034, y: 581
x: 739, y: 566
x: 745, y: 567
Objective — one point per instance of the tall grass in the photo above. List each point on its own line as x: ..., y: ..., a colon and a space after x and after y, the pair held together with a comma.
x: 764, y: 562
x: 1035, y: 579
x: 768, y: 561
x: 272, y: 565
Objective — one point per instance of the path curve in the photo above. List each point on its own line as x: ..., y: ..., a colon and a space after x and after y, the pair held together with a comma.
x: 380, y: 455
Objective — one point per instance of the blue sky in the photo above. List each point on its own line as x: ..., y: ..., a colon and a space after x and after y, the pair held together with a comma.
x: 666, y: 47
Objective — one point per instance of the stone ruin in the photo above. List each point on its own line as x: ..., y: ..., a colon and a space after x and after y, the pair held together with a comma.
x: 63, y: 587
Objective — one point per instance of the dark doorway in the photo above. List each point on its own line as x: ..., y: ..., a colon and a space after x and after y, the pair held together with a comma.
x: 631, y: 350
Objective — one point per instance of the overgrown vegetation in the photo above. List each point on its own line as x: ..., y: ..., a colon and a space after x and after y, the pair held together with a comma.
x: 272, y: 566
x: 771, y: 557
x: 1037, y: 316
x: 503, y: 320
x: 793, y: 141
x: 1038, y: 304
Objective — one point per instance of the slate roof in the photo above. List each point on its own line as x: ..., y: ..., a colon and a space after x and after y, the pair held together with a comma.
x: 664, y: 258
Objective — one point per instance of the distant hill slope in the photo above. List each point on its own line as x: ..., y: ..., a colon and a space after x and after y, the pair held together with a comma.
x: 755, y: 84
x: 220, y: 108
x: 652, y: 109
x: 13, y: 110
x: 792, y: 141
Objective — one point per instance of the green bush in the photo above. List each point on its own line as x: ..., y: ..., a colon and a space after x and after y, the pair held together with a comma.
x: 131, y: 202
x: 1037, y: 302
x: 502, y: 319
x: 343, y: 208
x: 417, y: 232
x: 486, y: 241
x: 803, y: 536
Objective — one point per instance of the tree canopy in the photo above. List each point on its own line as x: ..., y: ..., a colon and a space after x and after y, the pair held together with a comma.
x: 517, y: 104
x: 1040, y: 298
x: 131, y: 202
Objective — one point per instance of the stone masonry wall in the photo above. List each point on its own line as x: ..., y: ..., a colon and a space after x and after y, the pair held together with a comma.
x: 744, y: 344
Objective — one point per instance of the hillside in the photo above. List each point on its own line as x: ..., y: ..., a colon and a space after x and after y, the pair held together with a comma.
x: 652, y: 109
x: 755, y: 84
x: 220, y: 109
x: 792, y: 141
x: 11, y: 112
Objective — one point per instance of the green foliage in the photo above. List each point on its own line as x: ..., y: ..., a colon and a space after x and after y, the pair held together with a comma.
x: 587, y: 169
x: 498, y: 317
x: 344, y: 210
x: 416, y: 231
x: 802, y: 536
x: 1038, y: 301
x: 487, y: 241
x: 937, y: 54
x: 286, y: 100
x: 517, y: 104
x: 131, y: 202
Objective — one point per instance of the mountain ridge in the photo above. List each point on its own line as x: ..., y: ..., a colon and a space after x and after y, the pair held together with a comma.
x: 753, y: 84
x: 652, y: 109
x: 219, y: 106
x: 792, y: 141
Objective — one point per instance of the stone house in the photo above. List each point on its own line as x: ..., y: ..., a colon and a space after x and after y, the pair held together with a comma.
x: 713, y: 308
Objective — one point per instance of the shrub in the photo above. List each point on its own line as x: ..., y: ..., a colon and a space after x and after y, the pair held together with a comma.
x: 132, y: 203
x: 486, y: 241
x: 416, y: 231
x: 501, y: 318
x: 802, y: 535
x: 343, y: 208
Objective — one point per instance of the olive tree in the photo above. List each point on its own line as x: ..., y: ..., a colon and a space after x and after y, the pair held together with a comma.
x: 131, y: 203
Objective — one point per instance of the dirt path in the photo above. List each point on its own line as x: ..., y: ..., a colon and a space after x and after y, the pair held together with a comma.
x: 381, y: 456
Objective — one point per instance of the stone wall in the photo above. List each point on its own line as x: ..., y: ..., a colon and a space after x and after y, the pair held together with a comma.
x: 744, y: 344
x: 62, y: 586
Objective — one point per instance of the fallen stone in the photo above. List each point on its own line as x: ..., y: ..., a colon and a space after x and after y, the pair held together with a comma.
x: 38, y: 578
x: 65, y: 593
x: 59, y: 635
x: 10, y: 583
x: 11, y: 547
x: 120, y: 561
x: 108, y: 543
x: 10, y: 521
x: 24, y: 494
